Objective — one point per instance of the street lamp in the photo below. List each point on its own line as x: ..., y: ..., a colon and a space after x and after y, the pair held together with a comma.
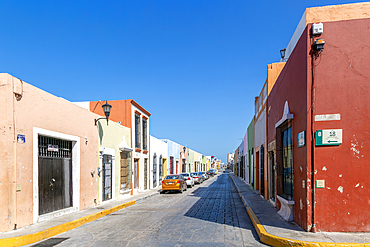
x: 106, y: 109
x: 282, y: 54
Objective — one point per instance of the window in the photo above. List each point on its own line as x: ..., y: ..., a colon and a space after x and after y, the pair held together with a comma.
x: 160, y: 164
x: 287, y: 163
x: 125, y: 161
x: 137, y: 132
x: 145, y: 136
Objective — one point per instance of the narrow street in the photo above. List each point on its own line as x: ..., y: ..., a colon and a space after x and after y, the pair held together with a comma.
x: 210, y: 214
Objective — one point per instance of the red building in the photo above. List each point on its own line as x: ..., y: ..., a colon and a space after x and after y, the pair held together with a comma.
x: 318, y: 120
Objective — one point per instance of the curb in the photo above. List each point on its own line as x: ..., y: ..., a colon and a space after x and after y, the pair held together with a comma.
x: 50, y: 232
x: 273, y: 240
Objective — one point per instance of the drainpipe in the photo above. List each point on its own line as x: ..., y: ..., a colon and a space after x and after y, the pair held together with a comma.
x: 313, y: 55
x: 14, y: 187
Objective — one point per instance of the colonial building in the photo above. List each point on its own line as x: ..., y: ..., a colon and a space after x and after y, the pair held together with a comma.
x: 318, y: 115
x: 132, y: 115
x: 49, y: 158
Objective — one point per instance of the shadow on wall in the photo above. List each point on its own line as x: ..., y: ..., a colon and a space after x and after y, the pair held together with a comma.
x: 101, y: 133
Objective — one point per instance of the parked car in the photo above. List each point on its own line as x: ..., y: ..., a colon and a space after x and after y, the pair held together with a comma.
x: 189, y: 179
x: 174, y: 182
x: 211, y: 172
x: 201, y: 176
x: 206, y: 176
x: 197, y: 178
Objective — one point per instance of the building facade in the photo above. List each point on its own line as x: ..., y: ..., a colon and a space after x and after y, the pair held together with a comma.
x: 132, y: 115
x: 317, y: 121
x: 48, y: 153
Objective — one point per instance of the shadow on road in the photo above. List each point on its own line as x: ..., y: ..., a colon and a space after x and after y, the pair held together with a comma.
x: 219, y: 202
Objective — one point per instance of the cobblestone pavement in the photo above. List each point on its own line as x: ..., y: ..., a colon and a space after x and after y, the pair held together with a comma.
x: 210, y: 214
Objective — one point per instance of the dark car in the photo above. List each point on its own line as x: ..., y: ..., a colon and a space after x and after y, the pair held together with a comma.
x: 211, y: 172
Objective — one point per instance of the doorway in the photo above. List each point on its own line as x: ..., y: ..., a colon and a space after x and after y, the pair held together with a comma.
x: 171, y: 165
x: 257, y: 184
x: 272, y: 175
x: 54, y: 174
x: 136, y: 173
x: 107, y: 177
x: 154, y: 170
x: 145, y: 174
x: 262, y: 168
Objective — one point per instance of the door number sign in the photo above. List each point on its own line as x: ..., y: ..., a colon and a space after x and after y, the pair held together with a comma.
x: 328, y: 137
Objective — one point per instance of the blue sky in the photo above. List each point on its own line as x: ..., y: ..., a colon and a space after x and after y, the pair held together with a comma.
x: 196, y: 66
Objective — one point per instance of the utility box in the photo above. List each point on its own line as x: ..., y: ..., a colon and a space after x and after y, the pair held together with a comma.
x: 317, y: 28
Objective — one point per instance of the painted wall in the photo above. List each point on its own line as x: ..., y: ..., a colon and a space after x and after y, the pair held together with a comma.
x: 36, y: 111
x: 110, y: 138
x: 191, y: 160
x: 294, y: 90
x: 173, y: 151
x: 158, y: 149
x: 123, y: 112
x: 140, y: 154
x: 252, y: 168
x: 245, y: 154
x: 260, y: 140
x: 204, y: 163
x: 341, y: 87
x: 184, y: 156
x: 196, y: 161
x: 241, y: 159
x: 236, y: 162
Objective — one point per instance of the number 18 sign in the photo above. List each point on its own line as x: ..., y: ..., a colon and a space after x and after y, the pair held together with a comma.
x: 328, y: 137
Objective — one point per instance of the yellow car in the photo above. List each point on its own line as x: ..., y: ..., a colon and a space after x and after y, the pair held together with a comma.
x: 174, y: 182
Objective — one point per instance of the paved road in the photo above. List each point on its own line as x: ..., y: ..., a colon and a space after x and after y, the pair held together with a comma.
x: 210, y: 214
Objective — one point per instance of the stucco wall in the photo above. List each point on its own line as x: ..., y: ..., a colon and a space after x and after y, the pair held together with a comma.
x: 160, y: 148
x: 291, y: 86
x: 37, y: 108
x: 342, y: 86
x: 111, y: 136
x: 251, y: 153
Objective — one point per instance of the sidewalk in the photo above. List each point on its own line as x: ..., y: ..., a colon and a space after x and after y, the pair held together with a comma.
x: 274, y: 230
x: 49, y: 228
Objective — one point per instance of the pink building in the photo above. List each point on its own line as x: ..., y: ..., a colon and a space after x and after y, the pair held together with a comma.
x: 48, y: 150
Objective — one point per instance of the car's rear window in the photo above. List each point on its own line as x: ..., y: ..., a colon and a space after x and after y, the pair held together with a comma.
x: 194, y: 173
x: 172, y: 177
x: 185, y: 174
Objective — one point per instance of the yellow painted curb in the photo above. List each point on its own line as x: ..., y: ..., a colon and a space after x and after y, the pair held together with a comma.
x: 38, y: 236
x: 273, y: 240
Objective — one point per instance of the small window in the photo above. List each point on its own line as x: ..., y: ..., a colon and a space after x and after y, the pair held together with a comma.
x: 145, y: 135
x: 137, y: 131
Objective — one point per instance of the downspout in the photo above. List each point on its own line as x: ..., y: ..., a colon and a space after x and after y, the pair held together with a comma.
x: 313, y: 56
x: 14, y: 159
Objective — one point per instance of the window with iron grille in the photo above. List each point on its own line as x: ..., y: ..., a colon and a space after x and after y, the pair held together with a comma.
x: 125, y: 162
x: 160, y: 164
x: 145, y: 136
x: 54, y: 148
x: 137, y: 132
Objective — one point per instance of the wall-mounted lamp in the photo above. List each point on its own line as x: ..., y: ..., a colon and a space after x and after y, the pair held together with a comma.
x: 318, y: 44
x: 282, y: 53
x: 106, y: 109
